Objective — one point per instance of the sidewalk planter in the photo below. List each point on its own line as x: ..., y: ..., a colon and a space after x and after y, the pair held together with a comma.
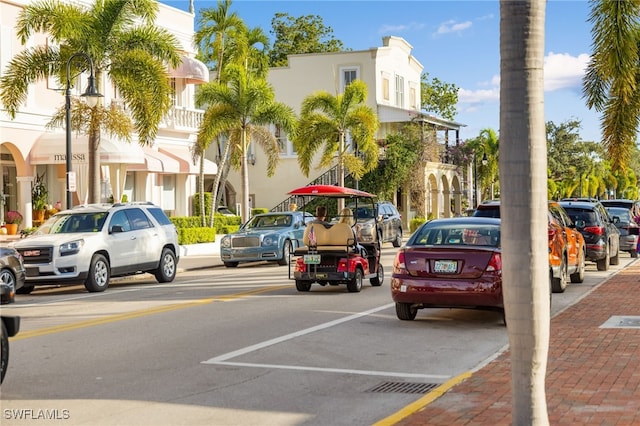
x: 12, y: 228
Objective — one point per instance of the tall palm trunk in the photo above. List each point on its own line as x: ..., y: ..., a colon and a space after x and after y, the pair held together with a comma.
x: 245, y: 178
x: 223, y: 166
x: 524, y: 202
x: 94, y: 161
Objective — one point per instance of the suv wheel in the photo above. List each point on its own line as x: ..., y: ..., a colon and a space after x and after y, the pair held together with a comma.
x: 98, y: 279
x: 397, y: 241
x: 166, y: 271
x: 603, y: 264
x: 578, y: 276
x: 559, y: 284
x: 615, y: 260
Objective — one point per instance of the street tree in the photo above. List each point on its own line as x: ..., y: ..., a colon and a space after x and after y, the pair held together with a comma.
x: 328, y: 122
x: 438, y: 97
x: 611, y: 84
x: 243, y: 107
x: 523, y: 164
x: 486, y: 146
x: 122, y: 40
x: 304, y: 34
x: 215, y: 28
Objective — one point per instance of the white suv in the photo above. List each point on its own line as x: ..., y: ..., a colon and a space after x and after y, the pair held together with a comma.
x: 89, y: 244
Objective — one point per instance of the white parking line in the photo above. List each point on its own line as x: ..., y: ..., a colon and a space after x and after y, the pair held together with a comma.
x: 224, y: 358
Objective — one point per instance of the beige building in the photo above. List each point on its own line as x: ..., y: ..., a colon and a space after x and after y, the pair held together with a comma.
x: 164, y: 173
x: 392, y: 75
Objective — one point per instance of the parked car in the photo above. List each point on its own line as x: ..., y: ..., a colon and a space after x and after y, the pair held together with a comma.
x: 224, y: 211
x: 11, y: 274
x: 386, y: 220
x: 600, y: 233
x: 9, y: 328
x: 268, y: 236
x: 567, y: 247
x: 90, y: 244
x: 452, y: 263
x: 628, y: 229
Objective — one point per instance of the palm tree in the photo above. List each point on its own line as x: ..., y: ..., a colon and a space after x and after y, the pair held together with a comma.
x: 523, y: 176
x: 121, y: 39
x: 325, y: 122
x: 243, y: 107
x: 611, y: 84
x: 247, y: 48
x: 215, y: 28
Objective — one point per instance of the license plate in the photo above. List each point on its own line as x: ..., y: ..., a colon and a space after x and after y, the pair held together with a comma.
x: 445, y: 266
x: 311, y: 259
x: 32, y: 272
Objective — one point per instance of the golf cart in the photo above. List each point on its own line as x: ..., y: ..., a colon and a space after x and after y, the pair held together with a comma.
x: 337, y: 253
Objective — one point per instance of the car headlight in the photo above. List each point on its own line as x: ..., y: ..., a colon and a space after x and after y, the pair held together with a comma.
x: 72, y: 247
x: 225, y: 242
x: 270, y: 240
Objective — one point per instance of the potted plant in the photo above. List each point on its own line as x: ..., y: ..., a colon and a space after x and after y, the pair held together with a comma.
x: 13, y: 218
x: 39, y: 197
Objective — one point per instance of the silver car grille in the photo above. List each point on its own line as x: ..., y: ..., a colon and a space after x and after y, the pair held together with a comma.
x: 239, y: 242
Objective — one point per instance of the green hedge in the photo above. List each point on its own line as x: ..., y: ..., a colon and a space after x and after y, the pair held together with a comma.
x: 190, y: 230
x: 415, y: 223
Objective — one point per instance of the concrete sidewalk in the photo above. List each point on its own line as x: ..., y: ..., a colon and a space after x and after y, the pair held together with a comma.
x: 593, y: 371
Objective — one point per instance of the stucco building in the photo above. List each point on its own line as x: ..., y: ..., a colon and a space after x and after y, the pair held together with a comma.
x: 392, y: 75
x: 164, y: 173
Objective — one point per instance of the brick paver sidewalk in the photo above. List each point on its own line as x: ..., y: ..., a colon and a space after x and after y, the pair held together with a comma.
x: 593, y: 373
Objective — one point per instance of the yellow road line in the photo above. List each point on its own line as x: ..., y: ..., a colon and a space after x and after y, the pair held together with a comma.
x: 140, y: 313
x: 422, y: 402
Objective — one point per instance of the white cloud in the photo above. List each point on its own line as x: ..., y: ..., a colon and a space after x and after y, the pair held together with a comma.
x: 401, y: 28
x: 452, y: 26
x: 563, y: 71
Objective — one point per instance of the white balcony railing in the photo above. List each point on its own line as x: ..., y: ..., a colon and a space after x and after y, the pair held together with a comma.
x: 178, y: 118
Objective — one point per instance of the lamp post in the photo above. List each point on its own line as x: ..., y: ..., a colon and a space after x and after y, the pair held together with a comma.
x: 92, y: 95
x: 485, y: 161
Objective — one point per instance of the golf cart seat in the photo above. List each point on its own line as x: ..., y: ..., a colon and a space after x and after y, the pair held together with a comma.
x: 337, y: 239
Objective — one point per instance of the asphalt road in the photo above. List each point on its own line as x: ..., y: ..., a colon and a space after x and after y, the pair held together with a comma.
x: 237, y: 347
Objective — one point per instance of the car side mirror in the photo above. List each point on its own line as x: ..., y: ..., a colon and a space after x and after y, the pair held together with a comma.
x: 116, y: 229
x: 580, y: 224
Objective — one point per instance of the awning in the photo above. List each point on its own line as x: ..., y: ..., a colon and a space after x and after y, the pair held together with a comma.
x: 389, y: 114
x: 156, y: 162
x: 51, y: 148
x: 187, y: 165
x: 191, y: 70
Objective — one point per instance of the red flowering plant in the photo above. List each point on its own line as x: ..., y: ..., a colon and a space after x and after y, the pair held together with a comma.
x: 14, y: 217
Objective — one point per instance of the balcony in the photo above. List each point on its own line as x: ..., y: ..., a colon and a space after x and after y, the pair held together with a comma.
x: 179, y: 119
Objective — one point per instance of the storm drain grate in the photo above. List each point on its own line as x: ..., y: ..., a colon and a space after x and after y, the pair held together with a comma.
x: 403, y: 387
x: 617, y: 321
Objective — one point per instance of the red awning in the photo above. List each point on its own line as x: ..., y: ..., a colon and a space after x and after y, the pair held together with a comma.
x: 329, y: 191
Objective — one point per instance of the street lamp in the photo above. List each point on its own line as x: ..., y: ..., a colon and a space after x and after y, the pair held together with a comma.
x: 485, y: 161
x: 92, y: 95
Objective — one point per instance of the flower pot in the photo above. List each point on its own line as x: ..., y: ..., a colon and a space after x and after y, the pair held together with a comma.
x: 12, y: 228
x: 38, y: 215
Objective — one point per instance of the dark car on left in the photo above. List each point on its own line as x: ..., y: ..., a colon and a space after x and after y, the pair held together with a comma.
x: 12, y: 274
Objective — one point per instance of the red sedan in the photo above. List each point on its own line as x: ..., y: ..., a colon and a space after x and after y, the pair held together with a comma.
x: 452, y: 263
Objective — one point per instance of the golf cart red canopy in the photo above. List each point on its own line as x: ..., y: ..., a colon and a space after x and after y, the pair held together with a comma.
x: 329, y: 191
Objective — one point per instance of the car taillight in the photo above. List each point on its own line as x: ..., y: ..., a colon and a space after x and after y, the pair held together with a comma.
x: 552, y: 233
x: 597, y: 230
x: 300, y: 265
x: 343, y: 265
x: 399, y: 266
x: 495, y: 263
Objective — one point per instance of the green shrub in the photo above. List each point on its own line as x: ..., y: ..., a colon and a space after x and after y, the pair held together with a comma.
x: 415, y: 223
x: 196, y: 235
x: 195, y: 202
x: 259, y: 210
x: 228, y: 229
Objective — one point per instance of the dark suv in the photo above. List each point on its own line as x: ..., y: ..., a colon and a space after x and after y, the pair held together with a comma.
x: 387, y: 220
x: 391, y: 223
x: 600, y: 233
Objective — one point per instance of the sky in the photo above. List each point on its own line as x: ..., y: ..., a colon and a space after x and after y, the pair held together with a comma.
x: 456, y: 42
